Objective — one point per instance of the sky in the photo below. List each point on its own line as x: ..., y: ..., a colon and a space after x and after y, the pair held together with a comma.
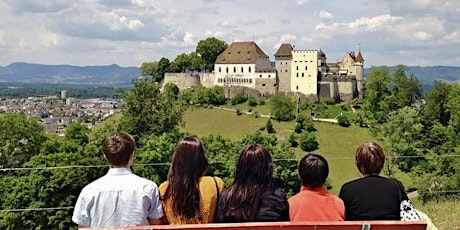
x: 130, y: 32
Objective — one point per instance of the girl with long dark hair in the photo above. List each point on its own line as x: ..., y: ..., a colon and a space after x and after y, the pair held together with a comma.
x: 189, y: 197
x: 254, y: 195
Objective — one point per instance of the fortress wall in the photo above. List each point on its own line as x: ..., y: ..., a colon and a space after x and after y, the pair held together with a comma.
x: 207, y: 79
x: 266, y: 85
x: 182, y: 80
x: 347, y: 88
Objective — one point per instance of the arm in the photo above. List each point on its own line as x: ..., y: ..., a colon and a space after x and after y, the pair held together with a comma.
x: 155, y: 221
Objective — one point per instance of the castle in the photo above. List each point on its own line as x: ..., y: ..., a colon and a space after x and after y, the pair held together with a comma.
x: 243, y: 65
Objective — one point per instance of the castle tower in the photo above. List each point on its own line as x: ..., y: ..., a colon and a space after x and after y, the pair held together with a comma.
x: 322, y: 67
x: 283, y: 58
x: 359, y: 72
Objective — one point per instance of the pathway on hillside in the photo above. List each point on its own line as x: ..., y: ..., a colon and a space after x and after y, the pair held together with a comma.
x: 331, y: 120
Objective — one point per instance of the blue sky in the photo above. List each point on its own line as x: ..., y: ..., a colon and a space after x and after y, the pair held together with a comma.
x: 130, y: 32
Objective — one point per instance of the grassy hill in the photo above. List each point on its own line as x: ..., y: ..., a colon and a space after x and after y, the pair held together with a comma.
x: 336, y: 143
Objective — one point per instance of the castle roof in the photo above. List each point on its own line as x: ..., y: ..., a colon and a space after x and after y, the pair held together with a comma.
x: 241, y: 53
x: 321, y: 54
x: 359, y: 58
x: 284, y: 50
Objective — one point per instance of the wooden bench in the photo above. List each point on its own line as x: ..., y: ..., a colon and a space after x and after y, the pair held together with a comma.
x: 333, y: 225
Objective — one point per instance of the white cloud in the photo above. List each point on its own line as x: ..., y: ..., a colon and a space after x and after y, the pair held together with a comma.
x: 324, y: 15
x: 301, y: 2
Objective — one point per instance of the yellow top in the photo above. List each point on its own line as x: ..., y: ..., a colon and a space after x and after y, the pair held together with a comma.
x: 208, y: 201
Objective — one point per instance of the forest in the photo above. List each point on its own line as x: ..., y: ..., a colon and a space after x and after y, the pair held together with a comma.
x: 42, y: 174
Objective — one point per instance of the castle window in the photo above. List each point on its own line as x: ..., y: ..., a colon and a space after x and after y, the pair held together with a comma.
x: 286, y: 63
x: 285, y: 70
x: 297, y: 74
x: 242, y: 71
x: 219, y: 69
x: 260, y: 75
x: 249, y: 69
x: 297, y: 87
x: 263, y: 85
x: 250, y: 80
x: 269, y: 76
x: 297, y: 67
x: 306, y: 67
x: 302, y: 74
x: 234, y: 69
x: 274, y: 85
x: 227, y: 69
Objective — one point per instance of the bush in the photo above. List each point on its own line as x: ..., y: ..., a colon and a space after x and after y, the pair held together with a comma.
x: 252, y: 101
x: 269, y: 126
x: 308, y: 142
x: 293, y: 140
x: 261, y: 101
x: 239, y: 98
x: 329, y: 101
x: 239, y: 112
x: 343, y: 120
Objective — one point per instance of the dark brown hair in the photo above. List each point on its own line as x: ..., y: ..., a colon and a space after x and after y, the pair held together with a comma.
x: 369, y: 158
x: 118, y: 148
x: 253, y: 178
x: 189, y: 162
x: 313, y: 170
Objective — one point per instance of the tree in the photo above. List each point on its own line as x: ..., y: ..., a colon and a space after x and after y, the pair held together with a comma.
x: 239, y: 98
x: 307, y: 141
x: 148, y: 111
x: 78, y: 132
x: 209, y: 49
x: 171, y: 90
x: 48, y: 188
x: 20, y: 139
x: 377, y: 90
x: 156, y: 69
x: 406, y: 90
x: 282, y: 107
x: 269, y: 126
x: 403, y: 132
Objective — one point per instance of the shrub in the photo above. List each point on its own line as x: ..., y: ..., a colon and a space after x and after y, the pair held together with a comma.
x: 343, y: 120
x: 269, y: 126
x: 329, y: 101
x: 252, y: 101
x: 308, y: 142
x: 239, y: 112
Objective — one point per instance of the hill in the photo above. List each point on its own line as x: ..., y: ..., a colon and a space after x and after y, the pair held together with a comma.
x: 111, y: 75
x: 428, y: 75
x: 117, y: 76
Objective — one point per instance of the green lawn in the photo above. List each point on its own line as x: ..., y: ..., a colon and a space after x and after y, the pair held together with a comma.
x: 336, y: 143
x: 444, y: 214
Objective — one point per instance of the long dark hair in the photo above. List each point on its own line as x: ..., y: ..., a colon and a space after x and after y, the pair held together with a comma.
x: 253, y: 178
x: 189, y: 162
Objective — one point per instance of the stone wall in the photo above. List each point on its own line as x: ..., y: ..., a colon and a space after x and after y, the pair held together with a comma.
x: 266, y: 85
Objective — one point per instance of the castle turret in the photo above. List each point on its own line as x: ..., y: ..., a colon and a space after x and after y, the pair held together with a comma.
x: 359, y: 72
x: 283, y: 58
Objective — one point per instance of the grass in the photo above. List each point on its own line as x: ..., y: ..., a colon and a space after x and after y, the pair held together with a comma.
x: 336, y: 143
x: 443, y: 214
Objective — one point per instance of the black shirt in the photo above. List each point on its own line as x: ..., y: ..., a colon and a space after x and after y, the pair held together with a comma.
x: 372, y: 198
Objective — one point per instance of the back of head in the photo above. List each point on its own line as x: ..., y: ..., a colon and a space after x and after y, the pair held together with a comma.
x: 189, y: 162
x: 253, y: 178
x: 313, y: 170
x: 254, y: 166
x: 369, y: 158
x: 118, y: 148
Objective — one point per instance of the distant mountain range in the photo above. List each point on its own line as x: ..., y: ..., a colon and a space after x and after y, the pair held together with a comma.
x: 116, y: 76
x: 111, y: 75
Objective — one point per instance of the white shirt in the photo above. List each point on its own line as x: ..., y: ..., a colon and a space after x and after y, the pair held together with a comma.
x: 118, y: 199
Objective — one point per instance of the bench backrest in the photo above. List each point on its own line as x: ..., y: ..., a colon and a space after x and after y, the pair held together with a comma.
x: 333, y: 225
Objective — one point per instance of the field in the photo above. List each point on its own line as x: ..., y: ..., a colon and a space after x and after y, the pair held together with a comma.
x: 337, y: 144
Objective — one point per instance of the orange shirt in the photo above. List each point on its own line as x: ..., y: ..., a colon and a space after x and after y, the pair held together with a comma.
x: 315, y: 205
